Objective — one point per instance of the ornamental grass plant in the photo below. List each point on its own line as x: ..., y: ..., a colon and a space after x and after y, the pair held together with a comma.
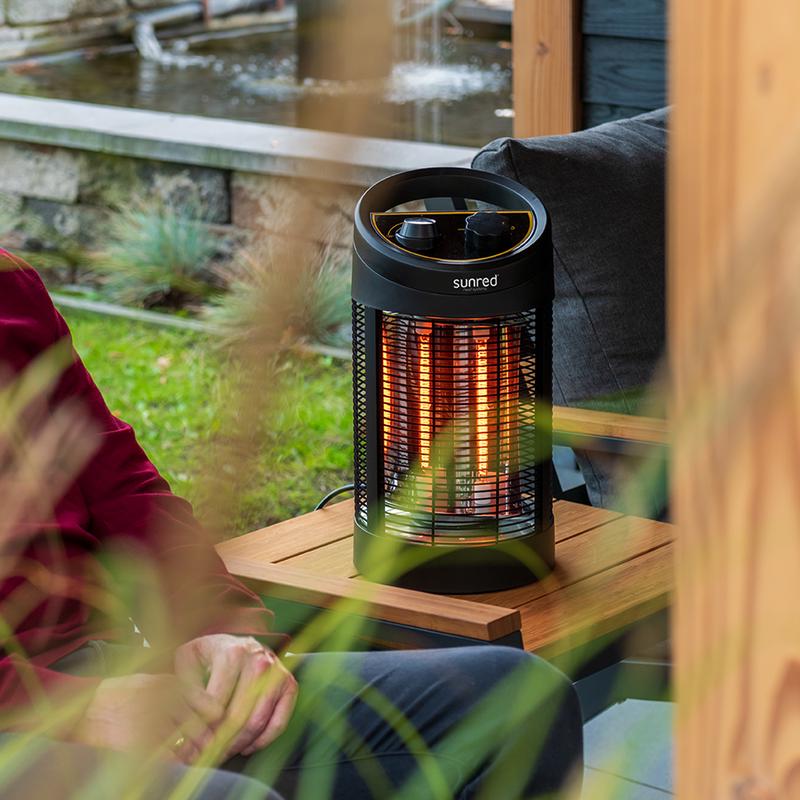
x: 159, y: 255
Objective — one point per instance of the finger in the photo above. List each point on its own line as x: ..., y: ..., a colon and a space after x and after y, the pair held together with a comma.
x: 187, y: 752
x: 189, y: 666
x: 277, y: 710
x: 255, y: 724
x: 281, y: 715
x: 254, y: 699
x: 204, y: 704
x: 192, y: 728
x: 224, y: 674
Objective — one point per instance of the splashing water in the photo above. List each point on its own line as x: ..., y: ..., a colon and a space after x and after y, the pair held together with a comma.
x: 409, y: 82
x: 146, y: 41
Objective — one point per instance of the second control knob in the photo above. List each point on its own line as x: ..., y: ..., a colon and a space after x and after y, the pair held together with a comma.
x: 486, y: 233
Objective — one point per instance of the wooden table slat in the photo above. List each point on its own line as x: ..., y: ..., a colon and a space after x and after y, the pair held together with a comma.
x: 601, y: 604
x: 294, y: 536
x: 390, y: 603
x: 332, y: 559
x: 606, y: 424
x: 336, y: 557
x: 582, y: 556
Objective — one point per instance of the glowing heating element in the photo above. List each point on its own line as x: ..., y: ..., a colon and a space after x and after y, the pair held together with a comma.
x: 386, y: 391
x: 482, y: 407
x: 452, y: 424
x: 425, y: 388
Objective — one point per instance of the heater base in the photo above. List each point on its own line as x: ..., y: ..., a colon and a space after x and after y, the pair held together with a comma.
x: 456, y: 569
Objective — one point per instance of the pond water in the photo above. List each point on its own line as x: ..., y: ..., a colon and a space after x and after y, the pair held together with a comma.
x: 457, y: 90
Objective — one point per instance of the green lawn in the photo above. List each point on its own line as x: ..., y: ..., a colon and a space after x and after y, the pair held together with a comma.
x: 169, y: 385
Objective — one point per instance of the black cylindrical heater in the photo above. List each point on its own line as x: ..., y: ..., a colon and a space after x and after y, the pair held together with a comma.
x: 452, y: 382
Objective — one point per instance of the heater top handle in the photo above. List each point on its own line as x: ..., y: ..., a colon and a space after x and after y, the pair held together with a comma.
x: 452, y: 182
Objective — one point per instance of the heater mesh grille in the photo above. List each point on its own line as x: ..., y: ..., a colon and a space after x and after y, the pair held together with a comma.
x: 360, y: 412
x: 454, y: 426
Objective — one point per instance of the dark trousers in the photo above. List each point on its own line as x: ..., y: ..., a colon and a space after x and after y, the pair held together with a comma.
x: 472, y: 722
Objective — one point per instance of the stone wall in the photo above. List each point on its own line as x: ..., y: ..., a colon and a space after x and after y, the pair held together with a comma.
x: 29, y: 27
x: 52, y: 195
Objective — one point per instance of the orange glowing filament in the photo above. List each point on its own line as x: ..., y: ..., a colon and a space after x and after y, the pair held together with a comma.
x: 387, y: 392
x: 482, y: 402
x: 425, y: 421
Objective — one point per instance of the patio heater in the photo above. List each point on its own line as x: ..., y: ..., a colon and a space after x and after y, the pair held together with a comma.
x: 452, y: 382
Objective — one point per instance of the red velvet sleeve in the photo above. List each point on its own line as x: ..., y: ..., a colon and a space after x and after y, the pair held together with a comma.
x: 180, y: 587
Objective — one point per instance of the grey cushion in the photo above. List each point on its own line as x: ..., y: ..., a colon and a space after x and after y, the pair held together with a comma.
x: 604, y: 190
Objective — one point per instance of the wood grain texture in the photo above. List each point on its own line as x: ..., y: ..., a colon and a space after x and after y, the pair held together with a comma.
x: 627, y: 72
x: 335, y: 558
x: 546, y: 38
x: 321, y: 542
x: 734, y: 321
x: 572, y: 520
x: 293, y: 536
x: 647, y: 430
x: 601, y: 604
x: 389, y: 603
x: 585, y: 555
x: 635, y: 19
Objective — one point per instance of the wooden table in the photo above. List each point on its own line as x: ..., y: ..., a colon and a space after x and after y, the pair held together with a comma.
x: 613, y: 572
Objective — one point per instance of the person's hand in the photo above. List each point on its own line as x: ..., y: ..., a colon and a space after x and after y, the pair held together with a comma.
x: 248, y: 680
x: 146, y: 713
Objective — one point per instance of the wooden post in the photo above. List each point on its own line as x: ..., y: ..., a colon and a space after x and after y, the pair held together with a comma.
x: 546, y: 36
x: 735, y: 345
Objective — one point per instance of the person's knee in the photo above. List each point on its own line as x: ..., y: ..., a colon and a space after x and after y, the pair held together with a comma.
x: 535, y: 672
x: 513, y: 676
x: 495, y: 664
x: 542, y: 705
x: 529, y: 708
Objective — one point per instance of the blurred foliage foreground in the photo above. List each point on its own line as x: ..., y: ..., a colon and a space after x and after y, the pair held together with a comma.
x: 171, y: 386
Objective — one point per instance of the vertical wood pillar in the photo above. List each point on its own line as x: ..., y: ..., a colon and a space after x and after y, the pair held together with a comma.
x: 734, y: 319
x: 546, y: 40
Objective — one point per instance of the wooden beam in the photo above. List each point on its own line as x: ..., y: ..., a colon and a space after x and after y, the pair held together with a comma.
x: 546, y: 40
x: 734, y: 329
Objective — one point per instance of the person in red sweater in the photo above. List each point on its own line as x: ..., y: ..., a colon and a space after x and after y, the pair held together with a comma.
x: 104, y: 557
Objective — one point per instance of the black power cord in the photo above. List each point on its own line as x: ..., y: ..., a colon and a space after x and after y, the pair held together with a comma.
x: 348, y: 487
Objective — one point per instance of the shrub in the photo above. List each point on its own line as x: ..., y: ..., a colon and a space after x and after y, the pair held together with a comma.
x: 310, y: 297
x: 159, y: 256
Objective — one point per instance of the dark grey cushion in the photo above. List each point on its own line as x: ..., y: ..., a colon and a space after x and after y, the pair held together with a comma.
x: 604, y: 189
